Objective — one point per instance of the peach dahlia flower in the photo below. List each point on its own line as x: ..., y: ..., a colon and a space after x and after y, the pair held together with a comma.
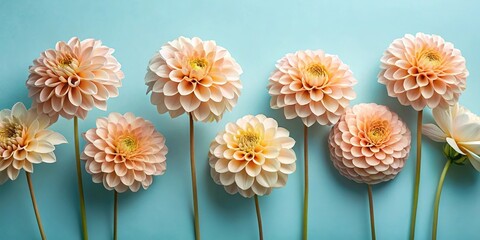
x: 193, y: 76
x: 24, y: 141
x: 73, y: 78
x: 369, y: 144
x: 423, y: 70
x: 124, y: 152
x: 252, y: 156
x: 312, y: 85
x: 459, y: 128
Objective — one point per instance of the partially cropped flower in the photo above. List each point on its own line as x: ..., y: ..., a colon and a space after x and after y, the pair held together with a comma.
x: 460, y: 129
x: 252, y: 156
x: 369, y: 144
x: 24, y: 141
x: 73, y: 78
x: 423, y: 70
x: 124, y: 152
x: 193, y: 76
x: 312, y: 85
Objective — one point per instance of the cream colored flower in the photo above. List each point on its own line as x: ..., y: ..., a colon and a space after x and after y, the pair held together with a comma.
x: 369, y: 144
x: 312, y: 85
x: 124, y: 152
x: 423, y: 70
x: 458, y: 127
x: 194, y: 76
x: 73, y: 78
x: 252, y: 156
x: 24, y: 141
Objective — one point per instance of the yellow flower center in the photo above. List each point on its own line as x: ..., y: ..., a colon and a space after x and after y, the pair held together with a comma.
x: 127, y: 145
x: 430, y: 58
x: 248, y: 141
x: 9, y: 131
x: 316, y: 75
x: 67, y: 64
x: 378, y: 132
x: 198, y: 64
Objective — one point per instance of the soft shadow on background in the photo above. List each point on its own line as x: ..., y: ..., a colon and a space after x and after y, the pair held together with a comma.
x: 257, y: 34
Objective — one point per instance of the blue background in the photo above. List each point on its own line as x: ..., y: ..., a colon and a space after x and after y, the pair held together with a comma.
x: 257, y: 33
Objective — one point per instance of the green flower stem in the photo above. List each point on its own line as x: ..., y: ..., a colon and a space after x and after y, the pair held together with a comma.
x: 194, y: 179
x: 35, y: 208
x: 115, y: 214
x: 372, y: 215
x: 79, y: 178
x: 259, y: 218
x: 305, y: 196
x: 437, y: 198
x: 417, y: 175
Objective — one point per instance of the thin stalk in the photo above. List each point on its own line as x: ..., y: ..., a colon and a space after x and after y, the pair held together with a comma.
x: 35, y: 208
x: 259, y: 218
x: 417, y: 174
x: 437, y: 198
x: 305, y: 192
x: 372, y: 215
x: 194, y: 178
x: 115, y: 214
x: 79, y: 179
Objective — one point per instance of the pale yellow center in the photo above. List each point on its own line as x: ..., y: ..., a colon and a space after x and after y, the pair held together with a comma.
x: 127, y: 145
x: 430, y: 58
x: 10, y: 131
x: 378, y: 132
x: 67, y: 64
x: 198, y: 64
x: 248, y: 141
x: 316, y: 75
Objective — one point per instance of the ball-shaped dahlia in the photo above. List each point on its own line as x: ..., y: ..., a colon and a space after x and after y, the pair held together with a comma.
x: 252, y: 156
x: 124, y: 152
x: 369, y: 144
x: 312, y: 85
x: 73, y: 78
x: 423, y: 70
x: 24, y: 141
x: 193, y: 76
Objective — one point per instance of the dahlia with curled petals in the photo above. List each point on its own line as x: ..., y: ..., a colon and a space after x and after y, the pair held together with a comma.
x: 193, y: 76
x: 252, y: 156
x: 369, y: 144
x: 423, y: 70
x: 24, y: 141
x: 124, y: 152
x: 312, y: 85
x: 73, y: 78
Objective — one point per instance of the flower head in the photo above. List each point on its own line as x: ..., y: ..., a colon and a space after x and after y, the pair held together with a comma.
x: 252, y: 156
x: 24, y: 141
x: 193, y: 76
x: 369, y: 144
x: 73, y: 78
x: 312, y: 85
x: 124, y: 152
x: 423, y: 70
x: 460, y: 129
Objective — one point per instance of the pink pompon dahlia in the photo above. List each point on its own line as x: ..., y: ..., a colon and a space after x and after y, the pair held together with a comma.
x: 252, y: 156
x: 369, y: 144
x: 24, y: 141
x: 423, y: 70
x: 312, y: 85
x: 193, y: 76
x: 124, y: 152
x: 73, y: 78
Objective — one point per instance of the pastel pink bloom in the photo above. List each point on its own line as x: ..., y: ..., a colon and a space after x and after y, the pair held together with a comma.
x: 252, y: 156
x: 73, y: 78
x: 193, y: 76
x: 312, y: 85
x: 459, y: 128
x: 423, y: 70
x: 369, y: 144
x: 124, y: 152
x: 24, y: 141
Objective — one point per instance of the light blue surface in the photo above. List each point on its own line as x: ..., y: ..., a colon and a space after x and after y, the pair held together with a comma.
x: 257, y: 33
